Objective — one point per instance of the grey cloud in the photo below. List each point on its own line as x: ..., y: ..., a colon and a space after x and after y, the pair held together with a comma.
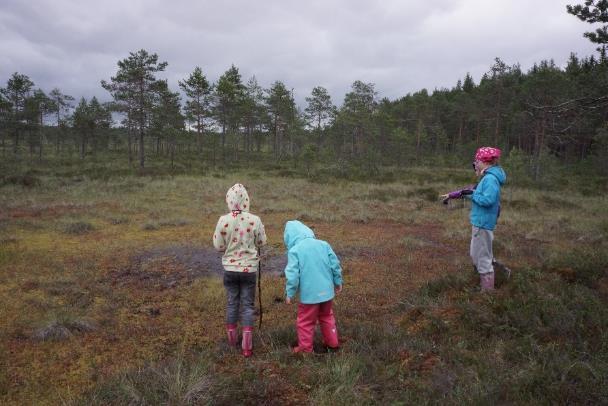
x: 401, y: 46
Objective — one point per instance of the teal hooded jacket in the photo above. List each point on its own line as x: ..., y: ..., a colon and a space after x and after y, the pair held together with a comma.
x: 486, y: 198
x: 312, y: 268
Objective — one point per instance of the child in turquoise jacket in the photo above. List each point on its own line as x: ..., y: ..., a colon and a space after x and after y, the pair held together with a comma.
x: 484, y: 213
x: 485, y: 209
x: 313, y: 270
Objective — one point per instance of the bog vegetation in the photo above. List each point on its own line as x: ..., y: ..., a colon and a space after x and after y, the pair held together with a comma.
x: 110, y: 292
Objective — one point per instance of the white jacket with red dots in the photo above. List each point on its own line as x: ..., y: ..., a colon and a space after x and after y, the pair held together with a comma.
x: 239, y: 233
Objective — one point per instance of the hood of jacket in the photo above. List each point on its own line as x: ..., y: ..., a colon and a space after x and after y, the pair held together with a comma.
x: 237, y: 198
x: 296, y: 231
x: 498, y: 172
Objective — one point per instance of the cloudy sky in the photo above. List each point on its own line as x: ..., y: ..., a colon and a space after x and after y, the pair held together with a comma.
x: 399, y: 45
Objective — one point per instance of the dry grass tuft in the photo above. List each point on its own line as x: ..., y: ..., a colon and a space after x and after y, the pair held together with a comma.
x: 63, y: 329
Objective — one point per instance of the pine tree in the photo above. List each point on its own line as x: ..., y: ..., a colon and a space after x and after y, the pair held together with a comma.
x: 18, y: 90
x: 5, y: 110
x: 228, y: 98
x: 253, y: 111
x: 358, y: 108
x: 100, y: 120
x: 62, y: 103
x: 198, y: 90
x: 39, y: 105
x: 593, y: 11
x: 281, y: 107
x: 81, y: 119
x: 133, y: 86
x: 319, y: 110
x: 167, y: 118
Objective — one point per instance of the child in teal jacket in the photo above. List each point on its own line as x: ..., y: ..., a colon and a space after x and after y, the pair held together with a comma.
x: 485, y: 209
x: 313, y: 270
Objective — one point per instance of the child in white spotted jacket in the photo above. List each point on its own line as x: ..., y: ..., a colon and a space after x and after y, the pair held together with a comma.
x: 239, y: 234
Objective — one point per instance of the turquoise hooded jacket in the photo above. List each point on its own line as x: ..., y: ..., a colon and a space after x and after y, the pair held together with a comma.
x: 312, y: 268
x: 486, y: 198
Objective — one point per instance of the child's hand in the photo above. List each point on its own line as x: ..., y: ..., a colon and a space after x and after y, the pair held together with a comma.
x: 288, y: 300
x: 338, y: 289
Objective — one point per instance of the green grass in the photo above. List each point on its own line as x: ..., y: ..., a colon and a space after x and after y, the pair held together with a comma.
x: 539, y: 339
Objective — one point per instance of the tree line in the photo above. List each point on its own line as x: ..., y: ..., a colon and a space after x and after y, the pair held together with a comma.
x: 548, y: 110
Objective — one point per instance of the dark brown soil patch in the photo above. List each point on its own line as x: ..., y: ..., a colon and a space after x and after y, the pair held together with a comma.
x: 169, y: 266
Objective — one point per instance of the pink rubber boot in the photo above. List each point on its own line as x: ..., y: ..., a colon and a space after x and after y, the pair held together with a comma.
x: 247, y: 343
x: 231, y: 332
x: 486, y: 280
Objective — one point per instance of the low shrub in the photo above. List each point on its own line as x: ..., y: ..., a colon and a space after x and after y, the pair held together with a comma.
x: 21, y: 180
x: 150, y: 226
x: 78, y: 228
x: 585, y: 265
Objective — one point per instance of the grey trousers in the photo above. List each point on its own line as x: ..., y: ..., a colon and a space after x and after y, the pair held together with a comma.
x: 240, y: 292
x: 481, y: 250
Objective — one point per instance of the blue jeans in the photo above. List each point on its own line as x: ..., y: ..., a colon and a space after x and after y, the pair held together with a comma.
x: 240, y: 292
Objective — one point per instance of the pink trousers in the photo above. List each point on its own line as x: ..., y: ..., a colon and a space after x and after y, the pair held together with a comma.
x: 308, y: 314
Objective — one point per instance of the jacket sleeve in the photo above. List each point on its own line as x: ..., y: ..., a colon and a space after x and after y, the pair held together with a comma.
x: 292, y: 274
x: 486, y: 193
x: 219, y: 240
x: 334, y: 263
x: 260, y: 236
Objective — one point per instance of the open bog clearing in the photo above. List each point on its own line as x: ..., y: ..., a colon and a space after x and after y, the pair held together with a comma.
x: 111, y: 292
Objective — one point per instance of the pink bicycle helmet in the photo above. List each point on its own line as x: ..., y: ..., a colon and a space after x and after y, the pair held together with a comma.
x: 487, y: 154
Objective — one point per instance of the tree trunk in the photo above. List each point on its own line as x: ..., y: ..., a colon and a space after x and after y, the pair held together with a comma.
x: 223, y: 143
x: 460, y: 129
x: 31, y: 142
x: 539, y: 141
x: 199, y: 134
x: 16, y: 142
x: 94, y: 141
x: 142, y: 121
x: 248, y: 139
x: 319, y: 132
x: 40, y: 138
x: 418, y: 137
x: 497, y: 118
x: 83, y: 144
x: 130, y: 142
x: 141, y: 146
x: 57, y: 135
x: 172, y: 151
x: 496, y: 128
x: 258, y: 138
x: 213, y: 142
x: 275, y: 146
